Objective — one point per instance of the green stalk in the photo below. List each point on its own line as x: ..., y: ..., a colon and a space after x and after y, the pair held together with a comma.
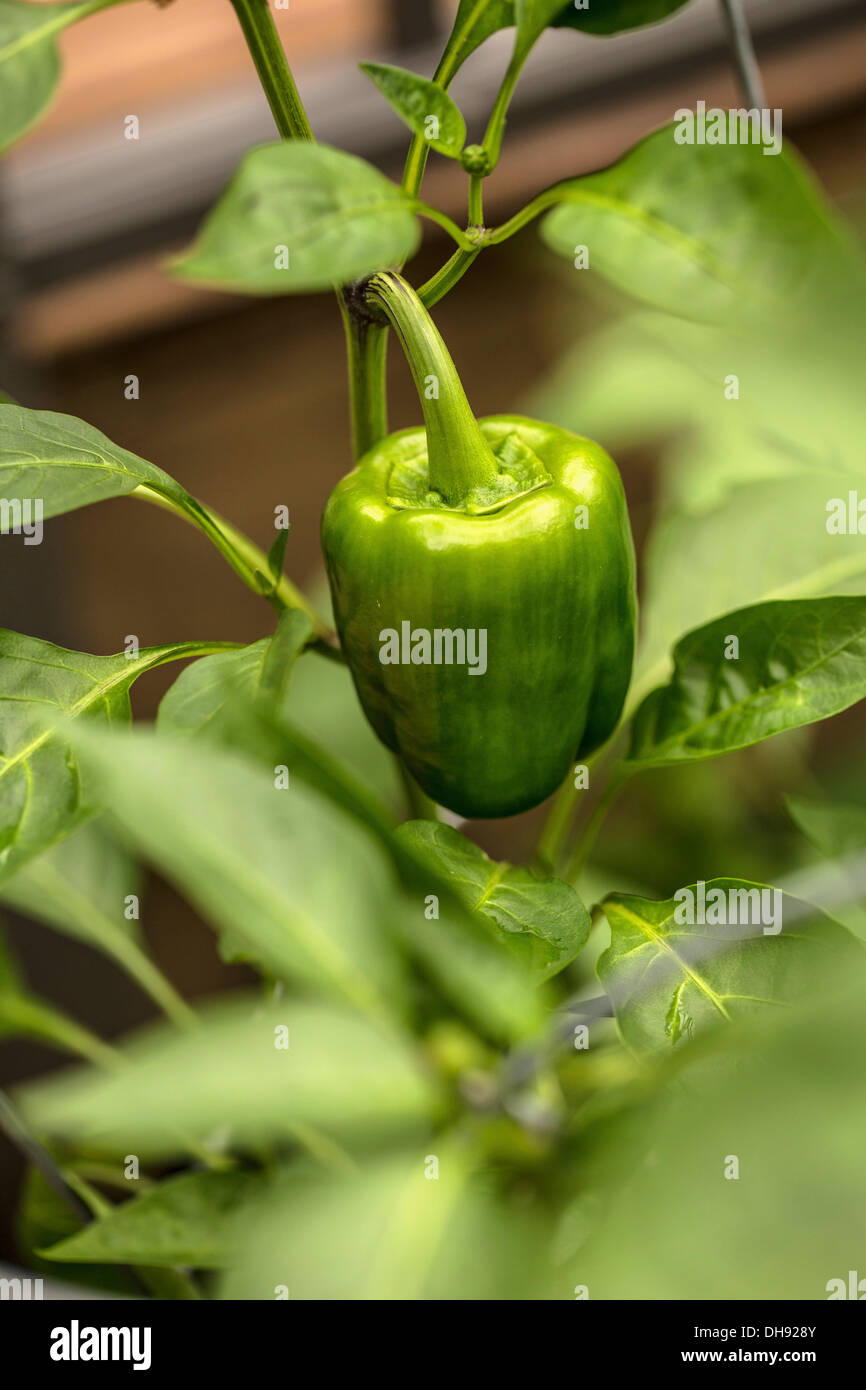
x: 447, y: 277
x: 275, y: 75
x: 244, y: 556
x: 459, y: 457
x: 492, y: 141
x: 367, y: 347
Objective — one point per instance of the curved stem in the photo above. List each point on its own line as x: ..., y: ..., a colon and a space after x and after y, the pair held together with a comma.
x: 464, y: 240
x: 275, y: 75
x: 492, y: 141
x: 245, y: 558
x: 495, y: 235
x: 447, y: 277
x: 459, y: 457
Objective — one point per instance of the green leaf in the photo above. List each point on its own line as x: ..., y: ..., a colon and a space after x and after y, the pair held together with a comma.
x: 713, y: 232
x: 68, y: 464
x: 670, y: 979
x: 294, y: 884
x: 543, y: 921
x: 799, y: 661
x: 475, y: 21
x: 277, y: 555
x: 43, y: 1218
x: 753, y: 560
x: 29, y: 64
x: 458, y: 951
x: 392, y: 1233
x: 183, y: 1221
x: 203, y: 693
x: 63, y: 463
x: 339, y: 1073
x: 42, y: 797
x: 79, y: 886
x: 421, y: 102
x: 324, y: 216
x: 241, y: 703
x: 613, y: 16
x: 787, y: 1107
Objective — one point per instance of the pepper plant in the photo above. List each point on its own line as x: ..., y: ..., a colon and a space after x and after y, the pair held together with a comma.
x: 429, y: 1097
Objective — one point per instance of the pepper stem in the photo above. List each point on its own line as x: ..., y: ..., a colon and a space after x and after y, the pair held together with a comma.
x: 459, y: 457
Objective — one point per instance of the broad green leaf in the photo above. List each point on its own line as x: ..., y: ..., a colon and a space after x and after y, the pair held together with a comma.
x: 746, y: 947
x: 767, y: 1159
x: 298, y: 217
x: 424, y: 106
x: 199, y: 696
x: 80, y: 886
x: 261, y: 673
x: 796, y: 662
x: 392, y: 1233
x: 749, y: 538
x: 185, y: 1221
x: 543, y: 921
x: 68, y: 464
x: 338, y: 1072
x: 61, y: 463
x: 43, y: 1218
x: 475, y: 21
x: 42, y: 797
x: 718, y: 232
x: 29, y: 63
x: 294, y: 884
x: 649, y: 377
x: 613, y: 16
x: 464, y: 958
x: 242, y: 703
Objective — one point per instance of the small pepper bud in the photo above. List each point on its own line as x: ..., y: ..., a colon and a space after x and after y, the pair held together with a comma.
x: 475, y: 160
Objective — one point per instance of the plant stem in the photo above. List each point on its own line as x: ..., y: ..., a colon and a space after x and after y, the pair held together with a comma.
x: 620, y: 776
x: 245, y: 558
x: 492, y: 141
x: 18, y: 1134
x: 554, y: 832
x: 476, y: 201
x: 447, y: 277
x: 459, y: 457
x: 275, y: 75
x: 743, y: 49
x: 367, y: 347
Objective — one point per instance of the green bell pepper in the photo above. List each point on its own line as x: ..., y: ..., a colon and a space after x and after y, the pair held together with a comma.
x: 483, y: 581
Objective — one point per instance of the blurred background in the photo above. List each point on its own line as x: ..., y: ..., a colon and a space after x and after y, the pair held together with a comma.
x: 244, y: 401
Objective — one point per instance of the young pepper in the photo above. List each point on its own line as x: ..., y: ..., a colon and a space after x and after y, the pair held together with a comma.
x: 483, y: 580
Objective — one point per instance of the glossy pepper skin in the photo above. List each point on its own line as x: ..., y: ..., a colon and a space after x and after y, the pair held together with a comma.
x: 557, y: 603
